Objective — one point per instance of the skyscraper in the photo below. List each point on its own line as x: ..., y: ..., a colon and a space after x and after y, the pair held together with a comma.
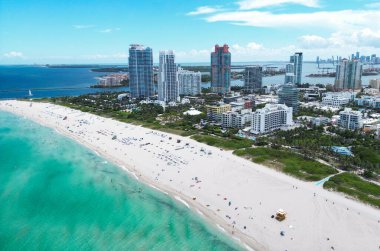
x: 348, y: 75
x: 189, y: 82
x: 297, y: 59
x: 220, y: 69
x: 253, y: 78
x: 140, y: 71
x: 288, y: 95
x: 289, y: 73
x: 167, y: 78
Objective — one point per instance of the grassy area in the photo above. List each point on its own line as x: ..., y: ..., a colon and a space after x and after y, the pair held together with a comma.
x: 225, y: 143
x: 288, y: 162
x: 356, y: 187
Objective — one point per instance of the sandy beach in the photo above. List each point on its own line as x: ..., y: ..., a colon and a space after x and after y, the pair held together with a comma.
x: 236, y: 195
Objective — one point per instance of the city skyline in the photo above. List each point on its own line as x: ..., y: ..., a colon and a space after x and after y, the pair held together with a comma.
x: 255, y: 30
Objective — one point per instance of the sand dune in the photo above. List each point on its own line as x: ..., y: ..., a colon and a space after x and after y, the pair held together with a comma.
x: 234, y: 194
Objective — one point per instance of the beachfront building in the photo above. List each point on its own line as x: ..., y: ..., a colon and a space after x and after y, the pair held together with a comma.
x: 253, y: 79
x: 288, y: 95
x: 221, y: 69
x: 348, y: 75
x: 289, y: 73
x: 140, y: 71
x: 297, y: 60
x: 349, y: 119
x: 214, y: 112
x: 271, y: 117
x: 189, y: 82
x: 337, y: 99
x: 239, y: 119
x: 167, y: 86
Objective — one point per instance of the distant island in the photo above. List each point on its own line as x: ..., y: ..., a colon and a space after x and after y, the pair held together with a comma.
x: 122, y: 84
x: 110, y: 69
x: 93, y: 66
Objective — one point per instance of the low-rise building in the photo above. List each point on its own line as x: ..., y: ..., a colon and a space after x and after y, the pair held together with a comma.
x: 337, y: 99
x: 368, y: 101
x: 272, y: 117
x: 192, y: 112
x: 318, y: 121
x: 240, y: 119
x: 231, y: 97
x: 214, y: 112
x: 350, y: 119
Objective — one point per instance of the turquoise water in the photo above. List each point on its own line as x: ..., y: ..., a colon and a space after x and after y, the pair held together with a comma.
x: 57, y: 195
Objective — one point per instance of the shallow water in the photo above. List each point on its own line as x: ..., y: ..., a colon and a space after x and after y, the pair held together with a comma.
x: 58, y: 195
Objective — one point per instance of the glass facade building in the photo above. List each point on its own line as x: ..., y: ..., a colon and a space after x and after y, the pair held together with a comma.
x: 297, y: 60
x: 348, y: 75
x: 221, y: 69
x: 288, y: 95
x: 253, y: 78
x: 140, y: 63
x: 289, y: 74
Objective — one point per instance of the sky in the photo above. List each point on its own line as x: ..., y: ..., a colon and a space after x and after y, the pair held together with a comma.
x: 100, y: 31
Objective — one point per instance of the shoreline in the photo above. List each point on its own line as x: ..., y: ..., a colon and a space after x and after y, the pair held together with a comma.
x: 183, y: 191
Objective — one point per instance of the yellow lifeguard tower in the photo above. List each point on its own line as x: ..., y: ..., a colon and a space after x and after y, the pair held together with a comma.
x: 280, y: 215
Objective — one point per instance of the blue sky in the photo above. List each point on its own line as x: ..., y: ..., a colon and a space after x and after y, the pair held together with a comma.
x: 99, y: 31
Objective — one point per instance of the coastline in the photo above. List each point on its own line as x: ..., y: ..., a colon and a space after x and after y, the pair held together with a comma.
x: 222, y: 177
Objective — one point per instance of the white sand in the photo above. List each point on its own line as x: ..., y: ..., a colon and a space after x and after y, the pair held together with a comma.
x: 186, y: 171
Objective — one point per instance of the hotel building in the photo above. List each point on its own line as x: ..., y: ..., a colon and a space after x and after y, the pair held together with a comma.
x: 271, y: 117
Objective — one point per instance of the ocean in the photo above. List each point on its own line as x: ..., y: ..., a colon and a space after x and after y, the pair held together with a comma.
x: 15, y: 81
x: 55, y: 194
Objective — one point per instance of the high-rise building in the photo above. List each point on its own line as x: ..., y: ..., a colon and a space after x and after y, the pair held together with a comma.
x: 375, y: 83
x: 288, y: 95
x: 373, y: 58
x: 348, y: 75
x: 253, y: 78
x: 167, y: 78
x: 189, y: 82
x: 221, y: 69
x: 140, y: 71
x: 297, y: 60
x: 271, y: 117
x: 289, y: 74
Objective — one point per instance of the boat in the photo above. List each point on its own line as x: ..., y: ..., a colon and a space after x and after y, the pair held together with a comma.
x: 30, y: 93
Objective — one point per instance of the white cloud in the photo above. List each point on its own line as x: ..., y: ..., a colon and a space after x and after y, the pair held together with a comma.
x: 313, y: 41
x: 355, y: 38
x: 109, y: 30
x: 193, y: 55
x: 328, y: 20
x: 375, y: 5
x: 204, y: 10
x: 14, y: 54
x: 83, y: 26
x: 119, y: 55
x: 256, y: 4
